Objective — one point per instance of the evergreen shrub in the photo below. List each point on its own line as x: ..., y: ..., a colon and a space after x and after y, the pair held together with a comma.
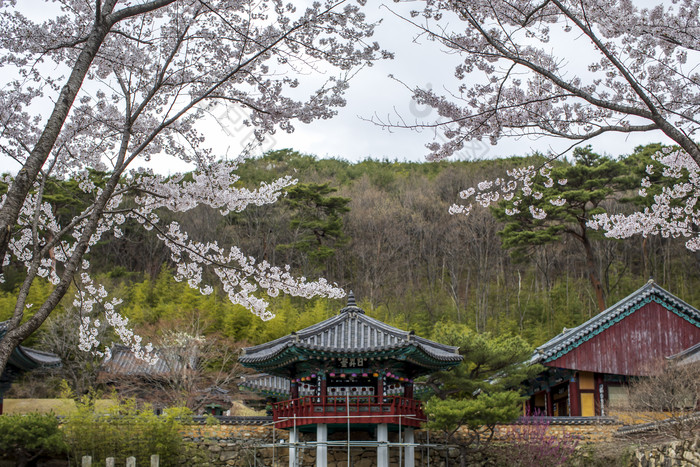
x: 26, y: 438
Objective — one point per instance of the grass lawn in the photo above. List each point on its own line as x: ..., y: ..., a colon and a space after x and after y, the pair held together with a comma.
x: 57, y: 406
x: 66, y: 406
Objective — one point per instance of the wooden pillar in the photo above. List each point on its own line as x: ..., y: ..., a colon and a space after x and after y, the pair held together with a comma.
x: 294, y: 390
x: 380, y: 388
x: 574, y: 398
x: 549, y: 402
x: 324, y: 387
x: 5, y: 385
x: 382, y: 447
x: 408, y: 390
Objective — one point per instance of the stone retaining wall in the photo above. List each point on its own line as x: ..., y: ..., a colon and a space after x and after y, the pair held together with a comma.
x: 679, y: 454
x: 239, y: 445
x: 586, y: 433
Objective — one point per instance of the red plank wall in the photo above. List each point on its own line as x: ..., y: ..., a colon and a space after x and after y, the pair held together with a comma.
x: 628, y: 347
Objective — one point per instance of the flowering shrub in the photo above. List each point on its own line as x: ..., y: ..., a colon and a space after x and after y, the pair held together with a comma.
x: 529, y: 444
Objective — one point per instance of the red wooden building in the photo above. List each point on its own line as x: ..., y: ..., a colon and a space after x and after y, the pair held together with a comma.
x: 589, y: 366
x: 350, y: 371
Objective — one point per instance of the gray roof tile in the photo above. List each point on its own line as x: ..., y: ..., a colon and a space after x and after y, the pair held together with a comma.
x: 350, y: 332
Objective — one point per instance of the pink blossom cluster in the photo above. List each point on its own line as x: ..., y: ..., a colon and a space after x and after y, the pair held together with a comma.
x: 517, y: 185
x: 673, y: 213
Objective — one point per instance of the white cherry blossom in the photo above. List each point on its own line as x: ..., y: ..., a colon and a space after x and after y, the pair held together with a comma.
x: 109, y: 84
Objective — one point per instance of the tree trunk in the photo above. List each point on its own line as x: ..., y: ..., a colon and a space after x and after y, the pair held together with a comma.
x: 592, y: 273
x: 24, y: 180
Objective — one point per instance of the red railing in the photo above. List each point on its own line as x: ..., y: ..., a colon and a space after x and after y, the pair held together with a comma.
x: 341, y: 409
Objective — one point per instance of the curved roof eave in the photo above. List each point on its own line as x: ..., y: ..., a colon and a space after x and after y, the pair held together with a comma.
x: 27, y: 358
x: 349, y: 332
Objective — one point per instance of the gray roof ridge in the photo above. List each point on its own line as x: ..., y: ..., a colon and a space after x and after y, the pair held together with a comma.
x: 599, y: 317
x: 302, y: 339
x: 568, y: 336
x: 36, y: 357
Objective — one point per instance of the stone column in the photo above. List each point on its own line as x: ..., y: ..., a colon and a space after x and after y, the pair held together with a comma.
x: 321, y: 446
x: 383, y: 449
x: 409, y: 451
x: 293, y: 439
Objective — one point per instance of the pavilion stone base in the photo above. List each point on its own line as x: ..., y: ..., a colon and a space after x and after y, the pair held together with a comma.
x: 228, y: 445
x: 362, y: 456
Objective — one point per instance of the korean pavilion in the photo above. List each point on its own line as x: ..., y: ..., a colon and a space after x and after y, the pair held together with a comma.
x: 349, y: 372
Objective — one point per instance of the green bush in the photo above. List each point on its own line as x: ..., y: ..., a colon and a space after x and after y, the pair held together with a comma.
x: 127, y: 430
x: 25, y: 438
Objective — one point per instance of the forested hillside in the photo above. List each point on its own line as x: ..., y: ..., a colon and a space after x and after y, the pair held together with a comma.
x: 383, y: 230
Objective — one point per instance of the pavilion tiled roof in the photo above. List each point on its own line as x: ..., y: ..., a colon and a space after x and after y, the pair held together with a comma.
x: 572, y: 338
x: 350, y: 332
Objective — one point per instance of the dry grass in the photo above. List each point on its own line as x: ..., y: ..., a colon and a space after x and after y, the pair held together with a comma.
x: 67, y: 406
x: 241, y: 410
x: 57, y: 406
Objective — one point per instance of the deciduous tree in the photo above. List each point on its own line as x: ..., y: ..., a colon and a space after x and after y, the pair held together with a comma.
x: 667, y: 402
x: 519, y: 77
x: 562, y: 204
x: 139, y: 75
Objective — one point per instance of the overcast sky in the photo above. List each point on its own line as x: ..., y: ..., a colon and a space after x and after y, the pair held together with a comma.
x: 372, y: 92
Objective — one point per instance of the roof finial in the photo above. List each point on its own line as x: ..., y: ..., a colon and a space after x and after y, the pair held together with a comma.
x: 352, y: 305
x: 351, y: 299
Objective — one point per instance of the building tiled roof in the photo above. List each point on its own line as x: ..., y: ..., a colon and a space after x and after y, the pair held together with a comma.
x: 27, y: 358
x: 572, y: 338
x: 122, y: 361
x: 688, y: 356
x: 350, y: 332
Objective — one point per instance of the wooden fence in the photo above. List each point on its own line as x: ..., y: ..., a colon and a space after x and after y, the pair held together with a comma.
x: 130, y: 461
